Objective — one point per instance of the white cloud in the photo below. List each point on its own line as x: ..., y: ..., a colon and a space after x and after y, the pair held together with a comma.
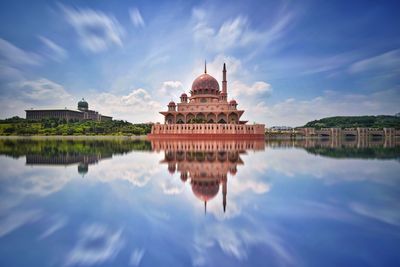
x: 172, y: 89
x: 42, y: 89
x: 137, y: 106
x: 238, y: 88
x: 16, y: 56
x: 55, y: 52
x: 136, y: 17
x: 96, y: 30
x: 293, y: 112
x: 86, y: 253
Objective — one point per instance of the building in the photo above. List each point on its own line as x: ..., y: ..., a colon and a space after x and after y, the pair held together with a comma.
x: 206, y: 112
x: 83, y: 113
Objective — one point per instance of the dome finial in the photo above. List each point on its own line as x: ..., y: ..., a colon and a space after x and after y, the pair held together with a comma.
x: 205, y: 66
x: 205, y: 207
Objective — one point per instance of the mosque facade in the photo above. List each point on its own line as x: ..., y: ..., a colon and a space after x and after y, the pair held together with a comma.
x: 206, y: 112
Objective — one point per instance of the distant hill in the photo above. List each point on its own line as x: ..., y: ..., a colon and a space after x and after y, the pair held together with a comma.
x: 380, y: 121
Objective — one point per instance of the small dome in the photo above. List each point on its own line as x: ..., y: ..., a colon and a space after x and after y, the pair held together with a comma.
x: 172, y: 103
x: 83, y: 104
x: 205, y: 82
x: 233, y: 102
x: 183, y: 95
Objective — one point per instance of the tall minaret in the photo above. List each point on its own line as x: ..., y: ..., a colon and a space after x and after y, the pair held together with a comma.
x: 224, y: 84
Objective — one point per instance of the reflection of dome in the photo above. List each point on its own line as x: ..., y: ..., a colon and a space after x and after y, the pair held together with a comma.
x: 205, y: 190
x: 83, y: 105
x: 205, y: 84
x: 83, y: 168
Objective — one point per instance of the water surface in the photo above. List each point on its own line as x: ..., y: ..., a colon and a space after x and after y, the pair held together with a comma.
x: 122, y: 202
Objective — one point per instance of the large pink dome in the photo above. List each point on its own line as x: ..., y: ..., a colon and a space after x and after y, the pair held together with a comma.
x: 205, y: 84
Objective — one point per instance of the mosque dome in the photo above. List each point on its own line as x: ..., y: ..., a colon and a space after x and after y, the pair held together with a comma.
x: 205, y: 190
x: 83, y: 105
x: 205, y: 84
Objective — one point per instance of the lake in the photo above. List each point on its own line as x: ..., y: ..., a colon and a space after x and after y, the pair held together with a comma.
x: 126, y: 202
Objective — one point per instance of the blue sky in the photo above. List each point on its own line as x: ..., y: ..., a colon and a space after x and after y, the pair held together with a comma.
x: 288, y: 61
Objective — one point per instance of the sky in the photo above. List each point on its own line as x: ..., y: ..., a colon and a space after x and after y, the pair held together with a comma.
x: 288, y: 62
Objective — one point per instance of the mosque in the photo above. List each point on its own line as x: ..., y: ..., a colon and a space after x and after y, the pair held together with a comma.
x: 83, y: 113
x: 206, y: 113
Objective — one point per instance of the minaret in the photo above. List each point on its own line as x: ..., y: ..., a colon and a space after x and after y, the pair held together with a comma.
x: 224, y: 84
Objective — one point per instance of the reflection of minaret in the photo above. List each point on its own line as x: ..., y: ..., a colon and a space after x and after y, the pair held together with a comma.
x: 205, y: 164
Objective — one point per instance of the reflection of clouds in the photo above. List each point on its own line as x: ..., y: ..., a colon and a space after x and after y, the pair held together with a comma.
x: 136, y: 257
x: 236, y: 241
x: 136, y: 168
x: 387, y: 214
x: 57, y: 222
x: 18, y: 219
x: 172, y: 186
x: 18, y: 181
x: 298, y: 162
x: 96, y: 244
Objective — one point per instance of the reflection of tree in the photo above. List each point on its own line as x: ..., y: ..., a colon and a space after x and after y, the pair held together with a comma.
x: 56, y: 147
x: 362, y: 153
x: 345, y: 148
x: 67, y: 151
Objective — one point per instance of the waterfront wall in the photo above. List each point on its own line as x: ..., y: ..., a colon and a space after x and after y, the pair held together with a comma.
x: 208, y: 130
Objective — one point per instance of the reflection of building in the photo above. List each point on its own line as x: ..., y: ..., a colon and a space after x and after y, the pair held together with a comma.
x: 83, y: 113
x: 205, y: 163
x: 206, y: 112
x: 83, y: 161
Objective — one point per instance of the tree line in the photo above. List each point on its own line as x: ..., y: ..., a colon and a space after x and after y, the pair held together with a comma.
x: 55, y: 126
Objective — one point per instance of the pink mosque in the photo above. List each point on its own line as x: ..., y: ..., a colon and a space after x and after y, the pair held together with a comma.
x: 206, y: 113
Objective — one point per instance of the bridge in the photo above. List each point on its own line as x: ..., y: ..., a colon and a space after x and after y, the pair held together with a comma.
x: 348, y: 132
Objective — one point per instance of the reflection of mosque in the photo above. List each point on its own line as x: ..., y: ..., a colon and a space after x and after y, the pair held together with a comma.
x: 83, y: 161
x: 205, y: 163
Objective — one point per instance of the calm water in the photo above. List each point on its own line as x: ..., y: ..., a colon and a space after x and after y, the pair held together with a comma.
x: 107, y: 202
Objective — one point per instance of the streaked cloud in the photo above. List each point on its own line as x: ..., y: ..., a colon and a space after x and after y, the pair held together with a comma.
x: 136, y: 257
x: 388, y: 61
x: 136, y: 17
x: 17, y: 219
x: 14, y: 55
x: 96, y: 30
x: 54, y: 51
